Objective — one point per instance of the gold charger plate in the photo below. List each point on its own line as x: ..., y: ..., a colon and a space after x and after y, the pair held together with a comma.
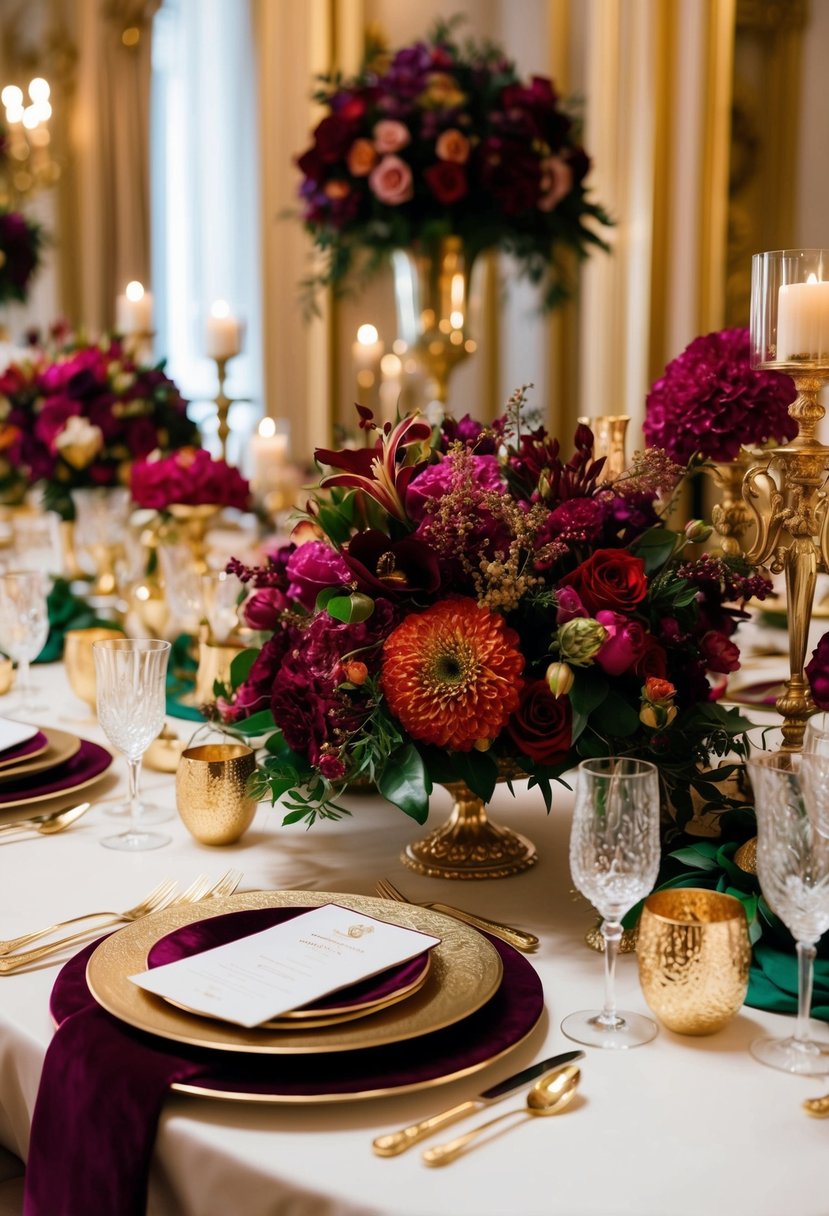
x: 61, y: 746
x: 465, y: 972
x: 4, y: 764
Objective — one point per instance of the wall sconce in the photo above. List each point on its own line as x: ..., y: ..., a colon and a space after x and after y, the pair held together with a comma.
x: 26, y: 164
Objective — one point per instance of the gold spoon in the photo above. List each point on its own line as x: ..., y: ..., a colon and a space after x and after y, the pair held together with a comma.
x: 47, y: 825
x: 550, y: 1094
x: 818, y: 1108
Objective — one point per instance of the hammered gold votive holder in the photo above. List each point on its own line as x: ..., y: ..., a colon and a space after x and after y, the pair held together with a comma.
x: 79, y: 662
x: 694, y: 956
x: 211, y: 791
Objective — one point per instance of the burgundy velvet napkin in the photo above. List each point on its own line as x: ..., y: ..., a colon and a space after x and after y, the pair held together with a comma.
x: 103, y: 1083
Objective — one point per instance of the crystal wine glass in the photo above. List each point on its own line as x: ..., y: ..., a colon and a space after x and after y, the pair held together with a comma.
x: 614, y: 860
x: 24, y: 627
x: 793, y: 869
x: 130, y: 676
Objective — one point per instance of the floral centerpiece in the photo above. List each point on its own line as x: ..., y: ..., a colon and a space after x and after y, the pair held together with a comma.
x: 77, y: 417
x: 21, y: 243
x: 446, y: 139
x: 467, y: 602
x: 189, y: 477
x: 709, y: 401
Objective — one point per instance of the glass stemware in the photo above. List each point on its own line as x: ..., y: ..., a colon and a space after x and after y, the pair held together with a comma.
x: 614, y: 860
x: 24, y: 628
x: 130, y: 676
x: 793, y: 869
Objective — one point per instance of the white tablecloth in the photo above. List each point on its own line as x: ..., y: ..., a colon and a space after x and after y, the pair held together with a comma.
x: 675, y: 1128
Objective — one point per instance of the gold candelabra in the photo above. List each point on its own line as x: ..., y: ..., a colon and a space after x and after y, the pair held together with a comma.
x: 786, y: 495
x: 223, y: 402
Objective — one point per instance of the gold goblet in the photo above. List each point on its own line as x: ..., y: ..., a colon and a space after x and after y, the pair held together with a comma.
x: 79, y: 661
x: 211, y: 791
x: 694, y: 957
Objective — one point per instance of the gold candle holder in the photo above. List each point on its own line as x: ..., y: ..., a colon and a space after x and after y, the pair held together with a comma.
x: 785, y: 495
x: 610, y: 441
x: 730, y: 516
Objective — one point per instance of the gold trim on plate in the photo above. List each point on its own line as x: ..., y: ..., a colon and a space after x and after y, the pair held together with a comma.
x: 466, y: 971
x: 60, y: 747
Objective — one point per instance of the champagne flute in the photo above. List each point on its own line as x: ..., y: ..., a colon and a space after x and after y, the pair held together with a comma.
x: 130, y: 677
x: 24, y: 627
x: 793, y: 869
x: 614, y: 860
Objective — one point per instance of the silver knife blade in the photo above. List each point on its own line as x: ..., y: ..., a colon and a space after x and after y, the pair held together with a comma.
x: 393, y: 1143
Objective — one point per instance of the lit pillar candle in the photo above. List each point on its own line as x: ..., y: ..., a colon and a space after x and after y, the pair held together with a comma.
x: 391, y: 385
x: 268, y: 451
x: 224, y: 332
x: 367, y: 352
x: 134, y: 310
x: 803, y: 321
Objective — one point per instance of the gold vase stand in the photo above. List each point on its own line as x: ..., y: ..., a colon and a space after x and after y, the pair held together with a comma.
x: 469, y: 845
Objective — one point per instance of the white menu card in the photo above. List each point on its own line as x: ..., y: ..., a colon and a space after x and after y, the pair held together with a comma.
x: 255, y: 978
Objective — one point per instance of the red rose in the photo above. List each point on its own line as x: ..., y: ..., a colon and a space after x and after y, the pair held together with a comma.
x: 447, y: 181
x: 610, y: 578
x: 333, y: 137
x: 541, y: 726
x: 719, y: 653
x: 652, y: 661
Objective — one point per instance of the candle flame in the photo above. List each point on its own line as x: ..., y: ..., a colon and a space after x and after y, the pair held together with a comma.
x: 135, y: 291
x: 367, y: 335
x: 267, y: 428
x: 220, y: 308
x: 812, y: 278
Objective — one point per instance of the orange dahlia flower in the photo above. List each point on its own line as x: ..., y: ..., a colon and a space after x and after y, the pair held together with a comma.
x: 452, y: 674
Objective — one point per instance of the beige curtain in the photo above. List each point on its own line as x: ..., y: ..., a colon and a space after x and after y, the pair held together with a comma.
x: 104, y: 231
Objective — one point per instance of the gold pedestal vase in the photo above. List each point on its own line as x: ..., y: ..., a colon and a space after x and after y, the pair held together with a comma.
x: 469, y: 844
x: 436, y: 306
x: 192, y: 524
x: 610, y: 441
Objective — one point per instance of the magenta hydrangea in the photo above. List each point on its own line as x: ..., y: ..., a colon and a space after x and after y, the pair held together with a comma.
x: 709, y: 401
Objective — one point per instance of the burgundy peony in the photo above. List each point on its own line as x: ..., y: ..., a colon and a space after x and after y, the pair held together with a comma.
x: 541, y: 726
x: 817, y: 673
x: 609, y: 578
x: 709, y: 401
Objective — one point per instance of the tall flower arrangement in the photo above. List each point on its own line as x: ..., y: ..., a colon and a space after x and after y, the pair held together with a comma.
x: 467, y: 599
x: 77, y: 417
x: 21, y: 244
x: 448, y: 139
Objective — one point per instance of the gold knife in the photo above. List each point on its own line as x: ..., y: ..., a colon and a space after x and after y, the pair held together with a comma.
x: 394, y: 1143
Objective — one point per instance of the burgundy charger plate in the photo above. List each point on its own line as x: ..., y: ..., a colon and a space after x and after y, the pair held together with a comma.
x: 440, y: 1056
x: 89, y: 762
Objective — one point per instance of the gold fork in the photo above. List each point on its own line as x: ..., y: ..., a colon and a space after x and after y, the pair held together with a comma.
x: 514, y: 937
x: 159, y: 897
x: 201, y: 888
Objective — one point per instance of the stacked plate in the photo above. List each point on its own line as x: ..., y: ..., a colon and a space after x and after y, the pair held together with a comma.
x: 456, y: 1008
x: 38, y: 763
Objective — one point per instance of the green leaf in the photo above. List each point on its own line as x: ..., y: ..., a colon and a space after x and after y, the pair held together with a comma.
x: 615, y: 717
x: 350, y: 609
x: 589, y: 690
x: 334, y: 524
x: 480, y: 772
x: 240, y: 666
x: 655, y: 547
x: 256, y: 724
x: 693, y: 856
x: 325, y: 596
x: 405, y: 782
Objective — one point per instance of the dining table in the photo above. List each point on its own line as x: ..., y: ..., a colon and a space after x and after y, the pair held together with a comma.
x: 679, y: 1126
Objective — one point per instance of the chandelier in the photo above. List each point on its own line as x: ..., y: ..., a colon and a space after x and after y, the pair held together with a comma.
x: 26, y: 164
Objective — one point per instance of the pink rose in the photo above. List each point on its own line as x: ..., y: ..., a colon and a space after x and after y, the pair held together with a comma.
x: 623, y: 647
x: 391, y: 136
x: 391, y: 181
x: 556, y: 182
x: 453, y: 146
